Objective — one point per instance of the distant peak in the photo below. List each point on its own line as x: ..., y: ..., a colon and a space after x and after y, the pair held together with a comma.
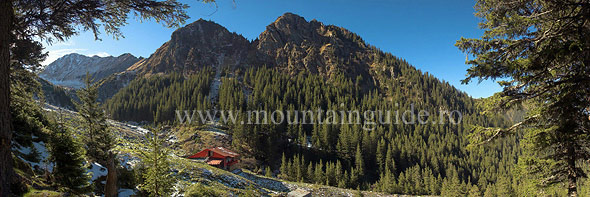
x: 73, y: 55
x: 200, y: 27
x: 126, y: 55
x: 70, y: 56
x: 201, y: 21
x: 289, y: 17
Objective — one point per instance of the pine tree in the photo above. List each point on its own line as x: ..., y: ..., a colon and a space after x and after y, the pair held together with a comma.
x: 338, y: 170
x: 68, y: 156
x: 380, y: 155
x: 389, y: 160
x: 298, y: 168
x: 319, y: 173
x: 291, y: 173
x: 96, y: 135
x: 504, y: 187
x: 267, y: 172
x: 283, y: 168
x: 354, y: 178
x: 490, y: 191
x: 541, y: 48
x: 474, y: 191
x: 310, y: 173
x: 359, y: 162
x: 158, y: 178
x: 330, y: 174
x: 358, y: 193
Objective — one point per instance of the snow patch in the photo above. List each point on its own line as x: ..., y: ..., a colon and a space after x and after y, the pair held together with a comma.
x: 43, y: 155
x: 264, y: 182
x: 142, y: 130
x: 97, y: 171
x: 128, y: 161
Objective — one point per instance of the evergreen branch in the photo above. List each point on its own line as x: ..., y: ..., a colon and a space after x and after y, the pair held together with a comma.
x: 501, y: 132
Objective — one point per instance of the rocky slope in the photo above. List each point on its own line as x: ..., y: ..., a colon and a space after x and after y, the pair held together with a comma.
x: 290, y: 43
x: 70, y: 70
x: 195, y: 46
x: 295, y: 44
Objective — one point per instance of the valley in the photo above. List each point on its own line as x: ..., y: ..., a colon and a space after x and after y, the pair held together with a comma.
x: 327, y: 68
x: 290, y: 98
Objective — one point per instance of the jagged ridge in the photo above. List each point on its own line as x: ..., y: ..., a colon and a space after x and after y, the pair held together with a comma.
x: 71, y: 69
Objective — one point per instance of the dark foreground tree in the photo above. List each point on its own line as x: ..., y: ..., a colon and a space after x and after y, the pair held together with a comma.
x: 24, y: 22
x: 540, y: 50
x: 68, y: 156
x: 6, y: 171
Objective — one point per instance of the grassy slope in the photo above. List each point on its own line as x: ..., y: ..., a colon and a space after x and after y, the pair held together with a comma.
x: 194, y: 175
x: 191, y: 139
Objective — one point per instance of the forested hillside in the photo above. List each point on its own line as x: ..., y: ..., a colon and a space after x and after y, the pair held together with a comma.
x: 155, y: 99
x: 303, y: 108
x: 393, y: 157
x: 56, y: 95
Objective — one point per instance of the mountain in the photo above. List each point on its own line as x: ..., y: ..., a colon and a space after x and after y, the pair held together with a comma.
x: 195, y: 46
x: 300, y: 65
x: 57, y: 95
x: 295, y: 44
x: 291, y: 45
x: 70, y: 70
x: 110, y: 85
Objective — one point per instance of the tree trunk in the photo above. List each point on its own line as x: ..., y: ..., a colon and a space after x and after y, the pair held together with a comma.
x: 572, y: 189
x: 111, y: 186
x: 572, y: 177
x: 6, y: 171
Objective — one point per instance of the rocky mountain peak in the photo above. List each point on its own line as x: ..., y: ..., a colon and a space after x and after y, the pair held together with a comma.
x: 71, y: 69
x: 199, y: 44
x: 72, y: 55
x: 290, y: 28
x: 290, y: 43
x: 295, y: 44
x: 289, y: 19
x: 199, y: 29
x: 125, y: 55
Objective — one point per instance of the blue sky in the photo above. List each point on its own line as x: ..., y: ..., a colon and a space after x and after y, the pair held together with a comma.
x: 421, y: 31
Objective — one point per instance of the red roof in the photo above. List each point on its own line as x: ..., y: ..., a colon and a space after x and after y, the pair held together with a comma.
x: 218, y: 152
x: 222, y: 151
